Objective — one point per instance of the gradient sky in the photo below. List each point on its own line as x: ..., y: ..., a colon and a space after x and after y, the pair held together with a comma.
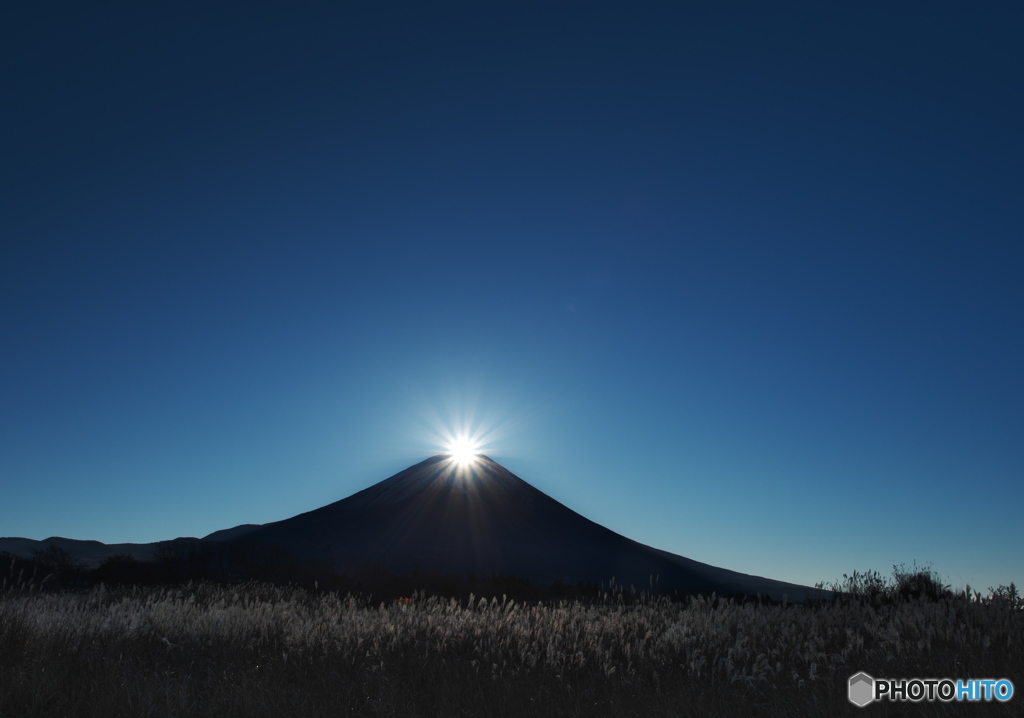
x: 742, y: 281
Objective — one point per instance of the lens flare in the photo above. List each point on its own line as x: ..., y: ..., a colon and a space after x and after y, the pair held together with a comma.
x: 463, y: 451
x: 455, y: 426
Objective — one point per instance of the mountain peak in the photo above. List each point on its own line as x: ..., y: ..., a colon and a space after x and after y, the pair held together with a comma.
x: 436, y: 474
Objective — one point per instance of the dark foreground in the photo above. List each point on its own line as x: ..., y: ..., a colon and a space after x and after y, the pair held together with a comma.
x: 259, y: 650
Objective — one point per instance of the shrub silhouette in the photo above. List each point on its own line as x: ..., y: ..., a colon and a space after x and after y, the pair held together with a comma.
x: 906, y: 584
x: 918, y: 583
x: 59, y: 562
x: 124, y: 569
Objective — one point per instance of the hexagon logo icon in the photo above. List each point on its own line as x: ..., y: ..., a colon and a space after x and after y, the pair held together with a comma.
x: 862, y: 689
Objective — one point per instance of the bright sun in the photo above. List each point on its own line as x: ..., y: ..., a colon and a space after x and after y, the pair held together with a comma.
x: 463, y: 451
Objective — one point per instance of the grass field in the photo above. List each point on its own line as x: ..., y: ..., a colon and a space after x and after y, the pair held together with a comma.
x: 261, y: 650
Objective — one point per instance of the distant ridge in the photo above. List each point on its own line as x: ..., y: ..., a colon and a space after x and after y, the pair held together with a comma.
x: 90, y: 553
x: 232, y: 533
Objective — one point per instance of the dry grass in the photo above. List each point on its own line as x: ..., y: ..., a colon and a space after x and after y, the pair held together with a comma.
x: 259, y: 650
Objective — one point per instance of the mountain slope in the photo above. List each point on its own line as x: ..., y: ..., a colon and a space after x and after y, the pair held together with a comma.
x: 483, y: 519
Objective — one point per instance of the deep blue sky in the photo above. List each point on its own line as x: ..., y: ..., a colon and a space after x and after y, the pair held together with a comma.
x: 741, y: 281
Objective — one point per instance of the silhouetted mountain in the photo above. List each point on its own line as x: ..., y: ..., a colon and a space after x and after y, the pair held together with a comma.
x: 440, y: 518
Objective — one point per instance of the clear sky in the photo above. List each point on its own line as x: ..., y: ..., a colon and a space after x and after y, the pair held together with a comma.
x: 742, y: 281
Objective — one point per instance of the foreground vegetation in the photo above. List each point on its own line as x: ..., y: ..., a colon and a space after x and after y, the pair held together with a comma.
x: 263, y: 650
